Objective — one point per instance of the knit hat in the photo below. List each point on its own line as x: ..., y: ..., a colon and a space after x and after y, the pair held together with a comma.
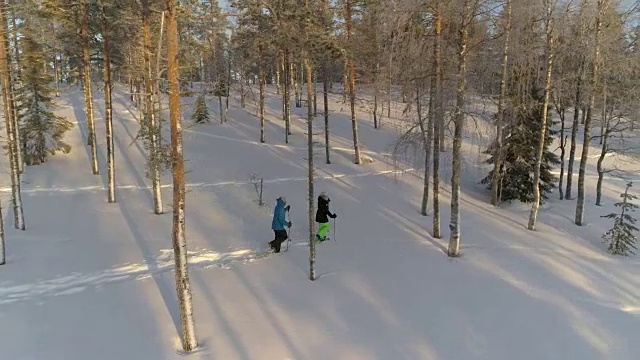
x: 324, y: 195
x: 284, y: 199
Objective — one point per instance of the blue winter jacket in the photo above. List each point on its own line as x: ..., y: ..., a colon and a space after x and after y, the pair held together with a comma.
x: 279, y: 221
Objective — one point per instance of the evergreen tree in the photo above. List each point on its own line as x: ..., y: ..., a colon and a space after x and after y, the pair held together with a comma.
x: 621, y: 237
x: 201, y: 113
x: 520, y: 145
x: 42, y: 130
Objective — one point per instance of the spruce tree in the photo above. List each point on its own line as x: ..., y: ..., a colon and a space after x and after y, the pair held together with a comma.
x: 201, y: 113
x: 42, y: 130
x: 621, y: 238
x: 520, y: 145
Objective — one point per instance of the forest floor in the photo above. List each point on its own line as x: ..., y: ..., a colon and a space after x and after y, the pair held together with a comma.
x: 92, y: 280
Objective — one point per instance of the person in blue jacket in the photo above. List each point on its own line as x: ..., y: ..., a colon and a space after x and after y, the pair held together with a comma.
x: 279, y: 223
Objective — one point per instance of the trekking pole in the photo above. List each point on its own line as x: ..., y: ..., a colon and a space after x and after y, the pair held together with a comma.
x: 334, y: 230
x: 288, y: 241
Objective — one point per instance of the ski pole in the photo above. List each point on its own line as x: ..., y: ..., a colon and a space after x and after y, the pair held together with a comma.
x: 334, y: 230
x: 288, y: 241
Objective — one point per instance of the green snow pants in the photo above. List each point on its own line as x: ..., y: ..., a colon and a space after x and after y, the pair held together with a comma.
x: 323, y: 229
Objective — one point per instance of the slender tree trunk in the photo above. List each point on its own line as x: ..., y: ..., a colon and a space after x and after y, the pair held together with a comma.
x: 151, y: 122
x: 158, y: 111
x: 13, y: 80
x: 55, y: 58
x: 183, y: 287
x: 315, y: 95
x: 352, y: 84
x: 574, y: 130
x: 111, y: 167
x: 295, y: 75
x: 10, y: 124
x: 545, y: 114
x: 604, y: 111
x: 88, y: 92
x: 278, y: 67
x: 325, y: 95
x: 345, y: 80
x: 602, y: 6
x: 563, y: 143
x: 427, y: 134
x: 261, y: 82
x: 438, y: 118
x: 376, y: 95
x: 242, y: 94
x: 2, y: 246
x: 459, y: 116
x: 287, y: 95
x: 498, y: 155
x: 603, y: 154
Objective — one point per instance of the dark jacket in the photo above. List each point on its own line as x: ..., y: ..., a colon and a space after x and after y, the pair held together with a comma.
x: 323, y: 214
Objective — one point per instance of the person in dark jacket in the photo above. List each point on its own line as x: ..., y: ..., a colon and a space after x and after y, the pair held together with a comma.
x: 322, y: 217
x: 279, y: 223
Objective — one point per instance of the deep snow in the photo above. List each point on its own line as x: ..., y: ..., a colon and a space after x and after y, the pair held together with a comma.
x: 92, y: 280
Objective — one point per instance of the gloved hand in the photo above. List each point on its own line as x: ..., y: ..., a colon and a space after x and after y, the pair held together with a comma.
x: 334, y: 216
x: 290, y: 224
x: 287, y: 208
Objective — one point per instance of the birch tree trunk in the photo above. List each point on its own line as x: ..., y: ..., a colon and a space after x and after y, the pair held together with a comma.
x: 88, y: 92
x: 438, y: 118
x: 55, y: 59
x: 287, y: 96
x: 602, y: 6
x: 106, y: 51
x: 183, y: 287
x: 325, y: 95
x: 603, y: 154
x: 312, y: 244
x: 261, y: 82
x: 11, y: 92
x: 151, y: 123
x: 548, y: 28
x: 427, y: 135
x: 3, y: 259
x: 352, y: 84
x: 498, y: 155
x: 10, y: 124
x: 458, y: 117
x: 574, y: 130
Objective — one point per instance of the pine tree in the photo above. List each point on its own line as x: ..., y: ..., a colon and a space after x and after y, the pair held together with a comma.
x: 621, y: 237
x: 43, y: 131
x: 520, y: 146
x: 201, y: 113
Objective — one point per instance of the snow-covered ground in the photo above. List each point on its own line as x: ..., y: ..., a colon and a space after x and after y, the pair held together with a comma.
x: 92, y: 280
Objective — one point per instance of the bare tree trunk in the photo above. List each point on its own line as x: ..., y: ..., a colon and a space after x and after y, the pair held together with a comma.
x: 498, y: 155
x: 55, y: 58
x: 574, y: 130
x: 458, y: 117
x: 315, y: 95
x: 279, y: 65
x: 13, y: 80
x: 88, y: 92
x: 438, y: 119
x: 325, y: 95
x: 111, y: 167
x: 242, y: 94
x: 345, y: 80
x: 427, y: 134
x: 287, y: 95
x: 563, y: 146
x: 261, y: 82
x: 2, y: 247
x: 158, y: 110
x: 545, y: 114
x: 603, y: 154
x: 602, y: 6
x: 10, y: 124
x: 183, y: 287
x: 352, y: 84
x: 296, y: 84
x: 151, y: 122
